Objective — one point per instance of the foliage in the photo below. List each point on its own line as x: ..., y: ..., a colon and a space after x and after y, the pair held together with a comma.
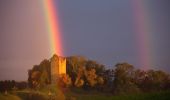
x: 64, y: 81
x: 79, y: 82
x: 39, y: 76
x: 88, y: 74
x: 7, y: 85
x: 12, y: 85
x: 91, y: 77
x: 123, y: 82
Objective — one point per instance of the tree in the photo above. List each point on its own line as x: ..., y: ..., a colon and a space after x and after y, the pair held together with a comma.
x: 44, y: 79
x: 155, y: 80
x: 79, y: 82
x: 91, y: 77
x: 100, y: 80
x: 123, y: 82
x: 39, y: 75
x: 64, y: 81
x: 35, y: 76
x: 90, y: 64
x: 73, y: 65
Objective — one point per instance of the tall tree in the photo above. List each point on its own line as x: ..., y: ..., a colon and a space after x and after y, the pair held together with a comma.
x: 123, y: 81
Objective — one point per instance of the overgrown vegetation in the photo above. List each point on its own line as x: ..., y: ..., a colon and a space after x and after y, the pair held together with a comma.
x: 87, y: 74
x: 87, y: 79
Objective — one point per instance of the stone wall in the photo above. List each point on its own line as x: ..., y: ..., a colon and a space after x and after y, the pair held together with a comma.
x: 58, y: 67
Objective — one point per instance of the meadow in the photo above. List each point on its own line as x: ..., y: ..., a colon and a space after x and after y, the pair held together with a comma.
x: 79, y: 95
x: 150, y: 96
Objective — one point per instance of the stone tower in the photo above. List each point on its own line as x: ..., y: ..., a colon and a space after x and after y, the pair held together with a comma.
x: 58, y: 67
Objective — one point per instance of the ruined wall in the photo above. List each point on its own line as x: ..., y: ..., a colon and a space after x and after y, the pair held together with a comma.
x: 62, y: 65
x: 58, y: 67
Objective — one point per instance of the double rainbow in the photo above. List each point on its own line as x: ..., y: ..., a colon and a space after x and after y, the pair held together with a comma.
x: 142, y: 30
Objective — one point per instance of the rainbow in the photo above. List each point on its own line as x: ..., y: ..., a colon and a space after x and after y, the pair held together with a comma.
x: 53, y: 27
x: 143, y: 33
x: 141, y: 23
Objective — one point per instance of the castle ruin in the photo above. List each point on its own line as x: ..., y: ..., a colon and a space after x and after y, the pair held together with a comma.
x: 58, y: 67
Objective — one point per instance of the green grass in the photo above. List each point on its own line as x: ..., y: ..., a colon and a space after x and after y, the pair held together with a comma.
x: 78, y: 94
x: 55, y: 90
x: 144, y: 96
x: 42, y: 94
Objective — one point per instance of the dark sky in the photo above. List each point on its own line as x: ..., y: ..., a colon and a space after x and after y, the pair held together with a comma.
x: 102, y: 30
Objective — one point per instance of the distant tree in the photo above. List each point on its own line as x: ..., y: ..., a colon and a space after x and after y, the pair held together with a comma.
x: 35, y: 77
x: 1, y: 86
x: 84, y: 72
x: 139, y: 78
x: 167, y: 83
x: 39, y: 75
x: 123, y: 81
x: 100, y: 80
x: 73, y: 65
x: 100, y: 83
x: 30, y: 79
x: 155, y: 80
x: 91, y: 77
x: 108, y: 76
x: 21, y: 85
x: 79, y: 82
x: 90, y: 64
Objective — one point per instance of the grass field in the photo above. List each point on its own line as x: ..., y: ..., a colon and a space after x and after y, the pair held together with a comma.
x: 150, y: 96
x: 79, y: 95
x: 94, y: 95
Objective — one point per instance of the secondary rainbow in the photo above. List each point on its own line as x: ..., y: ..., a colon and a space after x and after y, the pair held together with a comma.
x: 53, y: 27
x: 143, y: 33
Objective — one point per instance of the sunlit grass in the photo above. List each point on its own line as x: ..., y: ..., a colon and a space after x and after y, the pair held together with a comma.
x: 79, y: 94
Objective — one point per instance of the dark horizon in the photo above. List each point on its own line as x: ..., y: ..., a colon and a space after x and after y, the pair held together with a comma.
x: 104, y: 31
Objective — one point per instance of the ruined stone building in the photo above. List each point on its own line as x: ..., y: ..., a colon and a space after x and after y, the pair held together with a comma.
x: 48, y: 70
x: 58, y: 67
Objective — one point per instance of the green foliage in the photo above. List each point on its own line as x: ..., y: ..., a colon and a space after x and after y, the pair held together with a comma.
x: 74, y: 62
x: 90, y: 75
x: 39, y: 76
x: 155, y: 80
x: 127, y: 80
x: 79, y: 82
x: 64, y: 81
x: 100, y: 80
x: 123, y: 82
x: 90, y: 64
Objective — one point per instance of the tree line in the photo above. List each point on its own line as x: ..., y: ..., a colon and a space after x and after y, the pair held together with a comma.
x: 8, y: 85
x: 123, y: 78
x: 87, y: 74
